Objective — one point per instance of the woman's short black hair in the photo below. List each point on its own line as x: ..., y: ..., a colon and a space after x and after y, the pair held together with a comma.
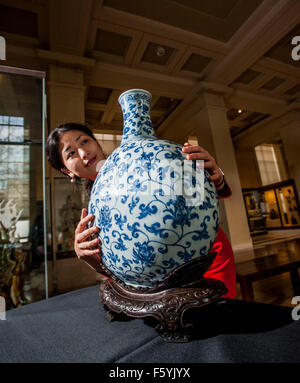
x: 52, y: 145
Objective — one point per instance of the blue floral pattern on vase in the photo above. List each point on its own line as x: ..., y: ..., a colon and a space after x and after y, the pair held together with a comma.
x: 155, y: 209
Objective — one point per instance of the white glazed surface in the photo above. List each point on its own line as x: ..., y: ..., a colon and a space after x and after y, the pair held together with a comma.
x: 149, y: 226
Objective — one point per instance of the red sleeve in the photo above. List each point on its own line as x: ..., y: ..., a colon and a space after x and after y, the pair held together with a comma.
x: 223, y: 266
x: 225, y: 192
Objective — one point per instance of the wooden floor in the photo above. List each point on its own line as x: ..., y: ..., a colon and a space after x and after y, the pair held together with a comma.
x: 276, y: 289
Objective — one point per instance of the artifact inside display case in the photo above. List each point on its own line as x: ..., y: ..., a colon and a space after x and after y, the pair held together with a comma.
x: 69, y: 202
x: 256, y: 211
x: 288, y: 205
x: 272, y: 207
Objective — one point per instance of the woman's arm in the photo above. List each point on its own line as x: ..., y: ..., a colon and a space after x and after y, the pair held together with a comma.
x: 225, y: 191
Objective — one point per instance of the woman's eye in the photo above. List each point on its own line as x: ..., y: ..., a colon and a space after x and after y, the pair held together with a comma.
x: 70, y: 154
x: 84, y: 141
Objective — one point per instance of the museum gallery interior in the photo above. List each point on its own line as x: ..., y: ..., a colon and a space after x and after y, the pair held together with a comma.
x: 222, y: 74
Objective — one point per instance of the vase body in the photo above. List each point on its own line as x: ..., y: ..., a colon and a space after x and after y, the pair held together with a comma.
x: 156, y: 210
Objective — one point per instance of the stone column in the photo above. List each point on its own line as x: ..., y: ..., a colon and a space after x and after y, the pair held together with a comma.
x: 66, y: 95
x: 213, y: 132
x: 290, y: 135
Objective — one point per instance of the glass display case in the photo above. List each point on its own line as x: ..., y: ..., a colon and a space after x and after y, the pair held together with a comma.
x: 274, y: 206
x: 23, y: 213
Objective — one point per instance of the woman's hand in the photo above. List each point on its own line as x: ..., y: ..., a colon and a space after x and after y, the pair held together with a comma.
x: 199, y: 153
x: 83, y: 245
x: 88, y: 249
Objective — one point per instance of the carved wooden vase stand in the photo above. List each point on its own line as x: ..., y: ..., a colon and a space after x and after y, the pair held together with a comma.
x: 183, y: 289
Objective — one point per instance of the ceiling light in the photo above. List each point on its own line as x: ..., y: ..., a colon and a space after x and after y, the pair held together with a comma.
x: 240, y: 111
x: 160, y: 51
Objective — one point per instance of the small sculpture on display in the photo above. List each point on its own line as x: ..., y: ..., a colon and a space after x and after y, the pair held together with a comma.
x: 158, y: 217
x: 12, y: 258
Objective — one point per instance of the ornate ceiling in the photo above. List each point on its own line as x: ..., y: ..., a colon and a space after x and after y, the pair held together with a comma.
x: 173, y: 48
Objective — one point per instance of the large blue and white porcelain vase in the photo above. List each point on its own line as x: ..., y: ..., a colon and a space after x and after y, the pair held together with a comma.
x: 156, y: 210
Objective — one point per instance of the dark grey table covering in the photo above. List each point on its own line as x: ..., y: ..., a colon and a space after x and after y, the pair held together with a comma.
x: 72, y: 328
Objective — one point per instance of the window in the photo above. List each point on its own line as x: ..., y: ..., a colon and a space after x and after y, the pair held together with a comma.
x: 11, y: 129
x: 14, y: 163
x: 270, y: 163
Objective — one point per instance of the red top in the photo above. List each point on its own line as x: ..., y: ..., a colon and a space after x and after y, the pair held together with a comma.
x: 223, y: 267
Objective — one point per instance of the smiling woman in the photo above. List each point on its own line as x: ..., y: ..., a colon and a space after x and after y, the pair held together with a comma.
x: 80, y: 155
x: 73, y: 150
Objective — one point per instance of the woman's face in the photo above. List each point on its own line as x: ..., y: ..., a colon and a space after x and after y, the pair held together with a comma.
x: 80, y: 154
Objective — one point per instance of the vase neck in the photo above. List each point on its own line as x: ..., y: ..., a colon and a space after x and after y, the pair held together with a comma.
x: 135, y: 106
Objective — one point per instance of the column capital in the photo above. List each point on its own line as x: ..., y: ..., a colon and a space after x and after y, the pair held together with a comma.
x: 205, y: 96
x: 60, y: 74
x: 212, y: 99
x: 57, y: 84
x: 215, y: 88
